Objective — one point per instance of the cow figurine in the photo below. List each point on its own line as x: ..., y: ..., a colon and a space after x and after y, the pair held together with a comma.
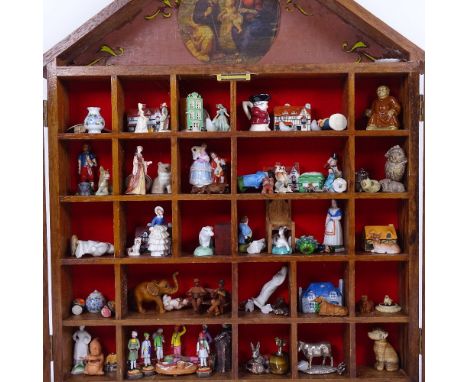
x: 319, y: 349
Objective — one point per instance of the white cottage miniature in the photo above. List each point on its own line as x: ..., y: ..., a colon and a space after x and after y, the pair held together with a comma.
x: 82, y: 338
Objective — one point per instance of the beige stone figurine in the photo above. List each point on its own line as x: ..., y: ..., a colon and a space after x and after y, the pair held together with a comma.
x: 385, y: 355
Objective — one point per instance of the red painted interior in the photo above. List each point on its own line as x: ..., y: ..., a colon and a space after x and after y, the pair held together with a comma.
x: 189, y: 339
x: 106, y: 335
x: 333, y: 333
x: 222, y: 147
x: 252, y: 277
x: 86, y: 93
x: 154, y: 150
x: 91, y: 221
x: 311, y: 154
x: 376, y: 279
x: 308, y: 272
x: 366, y: 93
x: 103, y: 152
x: 324, y: 94
x: 376, y: 212
x: 84, y: 279
x: 364, y: 345
x: 208, y: 213
x: 258, y: 333
x: 212, y: 92
x: 150, y: 91
x: 209, y: 276
x: 370, y: 154
x: 139, y: 214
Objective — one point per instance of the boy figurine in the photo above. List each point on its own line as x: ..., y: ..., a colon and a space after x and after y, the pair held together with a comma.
x: 146, y: 350
x: 133, y: 347
x: 86, y: 164
x: 176, y: 342
x: 203, y: 350
x: 158, y: 340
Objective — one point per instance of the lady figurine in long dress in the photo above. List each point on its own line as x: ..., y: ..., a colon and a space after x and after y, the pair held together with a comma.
x: 333, y: 232
x: 142, y: 121
x: 220, y: 120
x: 82, y: 338
x: 137, y: 183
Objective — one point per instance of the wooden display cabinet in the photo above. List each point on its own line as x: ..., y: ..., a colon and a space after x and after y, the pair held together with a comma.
x: 345, y: 87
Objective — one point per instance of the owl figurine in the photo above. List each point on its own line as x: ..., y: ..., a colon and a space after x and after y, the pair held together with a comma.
x: 396, y: 163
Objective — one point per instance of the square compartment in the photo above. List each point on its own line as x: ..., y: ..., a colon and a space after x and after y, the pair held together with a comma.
x: 222, y: 147
x: 366, y: 93
x: 209, y: 277
x: 84, y: 93
x: 326, y: 95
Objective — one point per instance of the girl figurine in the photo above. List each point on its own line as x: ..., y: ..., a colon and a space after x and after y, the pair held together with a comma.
x: 142, y: 121
x: 137, y: 183
x: 133, y: 347
x: 82, y: 338
x: 200, y: 171
x: 158, y: 340
x: 159, y: 218
x: 176, y: 342
x: 333, y: 233
x: 203, y: 350
x: 146, y: 350
x: 220, y: 120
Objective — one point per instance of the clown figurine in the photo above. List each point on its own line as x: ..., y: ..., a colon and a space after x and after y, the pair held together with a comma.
x: 86, y: 166
x: 203, y: 350
x: 256, y: 110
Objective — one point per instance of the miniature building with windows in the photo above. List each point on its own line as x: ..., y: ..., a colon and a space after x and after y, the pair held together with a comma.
x: 292, y: 117
x: 194, y: 112
x: 386, y: 234
x: 326, y: 290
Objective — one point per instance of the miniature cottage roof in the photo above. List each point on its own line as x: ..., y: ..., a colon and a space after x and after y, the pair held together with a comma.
x: 145, y: 32
x: 322, y: 289
x: 384, y: 231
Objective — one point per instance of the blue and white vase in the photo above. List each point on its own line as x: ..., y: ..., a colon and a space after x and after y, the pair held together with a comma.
x: 95, y: 302
x: 94, y: 123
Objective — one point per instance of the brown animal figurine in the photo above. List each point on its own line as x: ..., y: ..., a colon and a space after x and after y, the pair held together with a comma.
x: 152, y: 291
x: 365, y: 305
x: 328, y: 309
x: 95, y: 359
x: 385, y: 355
x: 214, y: 188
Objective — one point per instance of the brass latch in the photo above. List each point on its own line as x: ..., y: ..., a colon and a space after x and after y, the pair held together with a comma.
x: 233, y: 77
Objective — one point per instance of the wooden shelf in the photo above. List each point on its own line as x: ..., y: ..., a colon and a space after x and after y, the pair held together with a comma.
x: 257, y: 317
x: 87, y: 199
x: 86, y: 136
x: 265, y: 257
x: 133, y: 136
x: 112, y: 377
x: 370, y: 374
x: 366, y: 256
x: 89, y: 319
x: 377, y: 317
x: 183, y: 317
x: 293, y: 134
x: 375, y: 133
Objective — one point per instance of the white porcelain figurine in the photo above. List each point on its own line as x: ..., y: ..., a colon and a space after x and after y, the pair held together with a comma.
x: 82, y: 338
x: 142, y: 121
x: 268, y: 289
x: 333, y: 236
x: 90, y: 247
x: 204, y: 237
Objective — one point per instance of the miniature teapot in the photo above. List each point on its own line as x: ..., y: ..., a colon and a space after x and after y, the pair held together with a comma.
x: 256, y: 110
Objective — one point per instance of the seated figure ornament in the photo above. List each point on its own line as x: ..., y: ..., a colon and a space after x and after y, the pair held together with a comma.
x: 79, y: 248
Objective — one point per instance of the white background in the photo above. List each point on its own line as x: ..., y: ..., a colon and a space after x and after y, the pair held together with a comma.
x: 21, y: 158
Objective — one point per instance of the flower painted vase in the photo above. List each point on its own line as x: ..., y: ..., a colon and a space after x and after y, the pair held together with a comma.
x: 95, y: 302
x: 94, y: 123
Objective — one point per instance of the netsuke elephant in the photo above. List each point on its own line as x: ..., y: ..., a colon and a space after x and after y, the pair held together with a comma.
x: 153, y: 291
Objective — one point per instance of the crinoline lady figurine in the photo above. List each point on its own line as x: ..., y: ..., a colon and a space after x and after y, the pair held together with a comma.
x: 82, y: 338
x: 333, y: 236
x: 200, y: 171
x: 159, y: 218
x: 142, y: 121
x: 137, y: 183
x: 220, y: 120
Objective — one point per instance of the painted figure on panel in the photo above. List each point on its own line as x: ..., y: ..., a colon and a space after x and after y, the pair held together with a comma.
x: 229, y: 31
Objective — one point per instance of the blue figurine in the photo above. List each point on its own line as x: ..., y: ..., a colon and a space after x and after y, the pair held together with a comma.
x: 251, y: 181
x: 245, y: 234
x: 332, y: 294
x: 159, y: 218
x: 328, y: 185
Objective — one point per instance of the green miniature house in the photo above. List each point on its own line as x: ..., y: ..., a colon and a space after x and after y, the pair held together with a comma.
x: 194, y: 112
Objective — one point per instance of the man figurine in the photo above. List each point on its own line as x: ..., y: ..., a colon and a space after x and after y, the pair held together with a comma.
x: 133, y: 347
x: 86, y: 164
x: 176, y: 342
x: 146, y: 350
x: 158, y: 340
x: 218, y: 300
x: 164, y: 123
x: 383, y: 114
x: 245, y: 232
x: 207, y: 334
x: 197, y: 293
x: 203, y: 350
x: 258, y: 115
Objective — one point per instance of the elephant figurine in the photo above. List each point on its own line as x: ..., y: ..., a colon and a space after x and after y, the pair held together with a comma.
x: 153, y: 291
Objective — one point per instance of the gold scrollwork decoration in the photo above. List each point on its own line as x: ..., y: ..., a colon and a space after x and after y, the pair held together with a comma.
x: 165, y: 9
x: 294, y: 4
x: 358, y: 48
x: 119, y: 51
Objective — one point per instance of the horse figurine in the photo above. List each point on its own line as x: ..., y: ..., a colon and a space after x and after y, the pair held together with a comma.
x: 319, y: 349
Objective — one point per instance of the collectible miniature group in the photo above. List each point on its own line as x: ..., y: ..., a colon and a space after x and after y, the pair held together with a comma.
x: 280, y: 232
x: 208, y: 173
x: 280, y: 179
x: 95, y: 303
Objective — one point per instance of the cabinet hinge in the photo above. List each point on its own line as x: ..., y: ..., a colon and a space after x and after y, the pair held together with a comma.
x: 421, y: 107
x: 420, y: 341
x: 233, y: 77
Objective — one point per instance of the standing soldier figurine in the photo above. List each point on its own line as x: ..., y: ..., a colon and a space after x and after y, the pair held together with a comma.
x: 176, y: 342
x: 86, y: 164
x: 146, y: 350
x: 158, y: 340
